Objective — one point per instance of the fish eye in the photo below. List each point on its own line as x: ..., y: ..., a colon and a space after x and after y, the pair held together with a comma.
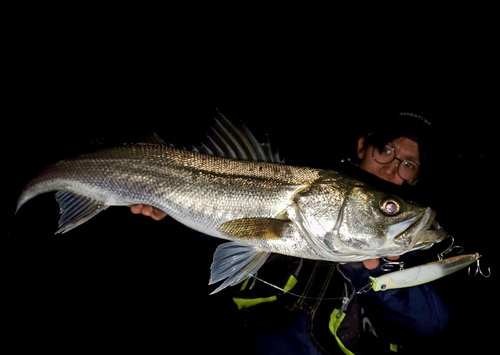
x: 390, y: 206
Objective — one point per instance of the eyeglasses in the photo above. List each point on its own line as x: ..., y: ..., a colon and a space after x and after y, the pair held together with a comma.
x: 408, y: 170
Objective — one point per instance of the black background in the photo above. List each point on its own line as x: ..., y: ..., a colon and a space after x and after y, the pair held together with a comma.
x: 122, y: 281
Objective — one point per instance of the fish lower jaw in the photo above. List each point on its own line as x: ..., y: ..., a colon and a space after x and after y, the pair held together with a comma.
x: 434, y: 233
x: 430, y: 237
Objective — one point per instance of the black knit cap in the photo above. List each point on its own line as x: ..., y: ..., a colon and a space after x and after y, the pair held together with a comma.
x: 405, y: 124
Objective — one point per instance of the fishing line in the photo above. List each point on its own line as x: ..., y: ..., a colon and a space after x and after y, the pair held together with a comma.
x: 295, y: 294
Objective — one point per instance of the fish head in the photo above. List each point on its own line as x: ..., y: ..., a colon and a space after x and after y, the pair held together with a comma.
x: 378, y: 224
x: 346, y: 219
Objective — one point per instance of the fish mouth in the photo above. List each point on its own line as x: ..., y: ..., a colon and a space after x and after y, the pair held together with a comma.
x: 433, y: 234
x: 418, y: 232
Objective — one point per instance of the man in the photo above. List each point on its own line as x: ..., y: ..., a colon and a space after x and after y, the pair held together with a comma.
x: 326, y: 312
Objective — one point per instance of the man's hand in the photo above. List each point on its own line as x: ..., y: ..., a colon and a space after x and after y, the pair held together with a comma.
x: 373, y: 263
x: 149, y: 211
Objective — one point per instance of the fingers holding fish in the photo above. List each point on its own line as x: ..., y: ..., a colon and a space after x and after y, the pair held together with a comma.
x: 148, y: 211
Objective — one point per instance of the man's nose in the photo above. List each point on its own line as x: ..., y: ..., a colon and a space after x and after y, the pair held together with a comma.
x: 391, y: 169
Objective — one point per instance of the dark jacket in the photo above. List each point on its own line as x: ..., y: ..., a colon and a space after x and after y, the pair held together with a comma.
x: 322, y: 313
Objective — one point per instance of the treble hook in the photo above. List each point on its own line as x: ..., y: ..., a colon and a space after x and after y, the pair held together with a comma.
x: 390, y: 265
x: 478, y: 270
x: 450, y: 248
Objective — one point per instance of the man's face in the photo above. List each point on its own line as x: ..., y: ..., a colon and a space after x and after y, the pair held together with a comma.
x: 405, y: 149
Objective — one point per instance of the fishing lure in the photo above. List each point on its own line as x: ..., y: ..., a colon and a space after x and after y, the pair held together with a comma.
x: 421, y: 274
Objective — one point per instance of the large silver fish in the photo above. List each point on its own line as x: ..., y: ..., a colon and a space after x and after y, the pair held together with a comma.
x: 248, y: 197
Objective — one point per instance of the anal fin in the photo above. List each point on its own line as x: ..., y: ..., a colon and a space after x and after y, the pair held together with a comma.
x: 76, y: 209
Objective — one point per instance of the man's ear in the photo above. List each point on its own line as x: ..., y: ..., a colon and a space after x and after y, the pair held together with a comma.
x: 361, y: 148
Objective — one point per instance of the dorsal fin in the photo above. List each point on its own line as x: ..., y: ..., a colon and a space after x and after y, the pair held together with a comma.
x: 230, y: 141
x: 225, y: 140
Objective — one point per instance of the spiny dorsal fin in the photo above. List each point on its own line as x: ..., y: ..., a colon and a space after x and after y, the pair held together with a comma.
x: 227, y: 140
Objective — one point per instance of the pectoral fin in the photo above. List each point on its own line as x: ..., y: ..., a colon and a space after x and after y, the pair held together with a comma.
x: 235, y: 262
x: 254, y: 228
x: 76, y: 209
